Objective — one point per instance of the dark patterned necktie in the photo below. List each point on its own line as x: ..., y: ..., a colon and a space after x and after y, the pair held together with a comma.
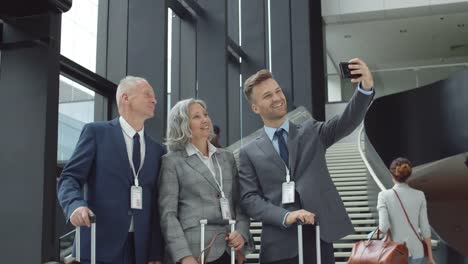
x: 136, y: 152
x: 283, y: 148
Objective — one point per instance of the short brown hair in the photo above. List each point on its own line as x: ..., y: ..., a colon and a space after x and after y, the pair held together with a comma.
x: 401, y: 169
x: 255, y: 79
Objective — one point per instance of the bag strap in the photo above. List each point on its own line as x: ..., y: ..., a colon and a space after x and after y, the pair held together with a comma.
x: 239, y: 256
x: 407, y: 218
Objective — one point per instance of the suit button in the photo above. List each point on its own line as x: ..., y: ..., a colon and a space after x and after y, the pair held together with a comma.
x: 218, y: 195
x: 130, y: 212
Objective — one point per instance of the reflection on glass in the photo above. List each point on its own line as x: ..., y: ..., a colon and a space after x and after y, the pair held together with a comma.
x: 76, y: 108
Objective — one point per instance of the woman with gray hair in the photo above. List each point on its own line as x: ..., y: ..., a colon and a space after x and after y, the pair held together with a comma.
x: 198, y: 181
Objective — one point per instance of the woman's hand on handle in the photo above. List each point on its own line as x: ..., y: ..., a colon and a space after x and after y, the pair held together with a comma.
x: 235, y: 240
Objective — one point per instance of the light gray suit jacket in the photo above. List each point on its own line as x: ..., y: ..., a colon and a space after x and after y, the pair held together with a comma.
x: 262, y: 173
x: 187, y: 194
x: 391, y: 216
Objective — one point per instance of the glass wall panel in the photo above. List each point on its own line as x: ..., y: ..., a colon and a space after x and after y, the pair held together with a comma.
x: 79, y: 33
x: 76, y: 108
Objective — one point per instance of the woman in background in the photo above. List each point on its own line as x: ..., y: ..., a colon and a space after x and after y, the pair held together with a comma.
x: 392, y: 215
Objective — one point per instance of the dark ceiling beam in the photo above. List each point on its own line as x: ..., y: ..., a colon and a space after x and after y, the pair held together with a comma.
x: 180, y: 10
x: 235, y: 51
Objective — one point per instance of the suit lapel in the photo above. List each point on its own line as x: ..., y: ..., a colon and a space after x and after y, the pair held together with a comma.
x: 265, y: 144
x: 198, y: 165
x: 121, y: 149
x: 293, y: 141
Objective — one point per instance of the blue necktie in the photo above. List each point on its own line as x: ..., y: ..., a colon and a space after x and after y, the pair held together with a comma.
x: 283, y: 148
x: 136, y: 152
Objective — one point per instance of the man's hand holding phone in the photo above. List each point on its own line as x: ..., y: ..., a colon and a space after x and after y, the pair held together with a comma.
x: 357, y: 71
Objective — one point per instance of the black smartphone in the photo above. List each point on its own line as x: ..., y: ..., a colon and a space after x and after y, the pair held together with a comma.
x: 346, y: 72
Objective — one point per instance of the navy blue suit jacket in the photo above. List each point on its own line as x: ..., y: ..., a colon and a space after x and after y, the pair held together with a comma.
x: 101, y: 162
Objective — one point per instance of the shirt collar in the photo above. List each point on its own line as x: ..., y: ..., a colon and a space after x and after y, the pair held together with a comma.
x: 270, y: 131
x: 192, y: 150
x: 401, y: 185
x: 128, y: 129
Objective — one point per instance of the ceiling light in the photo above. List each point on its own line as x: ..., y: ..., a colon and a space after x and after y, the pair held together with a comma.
x: 403, y: 31
x: 347, y: 36
x: 460, y: 25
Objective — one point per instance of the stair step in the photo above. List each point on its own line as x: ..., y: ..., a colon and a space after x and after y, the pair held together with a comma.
x: 342, y: 167
x: 343, y: 148
x: 353, y: 171
x: 351, y: 183
x: 352, y: 188
x: 253, y: 256
x: 355, y: 237
x: 360, y: 215
x: 361, y: 203
x: 342, y: 151
x: 338, y: 160
x: 346, y: 162
x: 255, y: 224
x: 348, y: 179
x: 347, y: 175
x: 337, y: 156
x: 358, y: 209
x: 352, y: 193
x: 366, y: 229
x: 355, y: 198
x: 363, y: 221
x: 343, y: 245
x: 342, y: 254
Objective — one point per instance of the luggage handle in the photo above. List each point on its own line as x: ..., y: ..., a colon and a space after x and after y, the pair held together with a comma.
x: 205, y: 222
x: 92, y: 219
x: 300, y: 248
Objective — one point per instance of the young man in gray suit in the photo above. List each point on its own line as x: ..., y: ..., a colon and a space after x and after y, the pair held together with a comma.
x: 280, y: 199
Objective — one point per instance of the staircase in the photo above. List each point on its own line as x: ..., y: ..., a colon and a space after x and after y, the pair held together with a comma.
x: 348, y: 172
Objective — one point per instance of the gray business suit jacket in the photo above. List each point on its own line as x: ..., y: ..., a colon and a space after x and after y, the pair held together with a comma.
x: 262, y: 173
x: 187, y: 194
x: 391, y: 216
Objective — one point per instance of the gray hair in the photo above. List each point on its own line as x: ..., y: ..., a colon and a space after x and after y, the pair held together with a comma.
x: 179, y: 133
x: 126, y: 84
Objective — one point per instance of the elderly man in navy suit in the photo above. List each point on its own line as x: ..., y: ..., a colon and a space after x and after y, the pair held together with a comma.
x: 119, y: 165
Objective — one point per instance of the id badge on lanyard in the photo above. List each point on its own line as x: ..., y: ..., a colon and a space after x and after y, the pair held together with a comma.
x: 136, y: 192
x: 223, y: 201
x: 225, y: 208
x: 288, y: 189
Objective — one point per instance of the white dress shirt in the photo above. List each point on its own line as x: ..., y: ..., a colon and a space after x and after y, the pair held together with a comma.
x: 208, y: 161
x: 128, y: 134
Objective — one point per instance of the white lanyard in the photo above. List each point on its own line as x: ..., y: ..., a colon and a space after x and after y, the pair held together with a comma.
x: 288, y: 177
x: 220, y: 185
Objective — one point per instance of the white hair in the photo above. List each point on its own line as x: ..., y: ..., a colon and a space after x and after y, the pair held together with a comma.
x: 125, y: 85
x: 179, y: 133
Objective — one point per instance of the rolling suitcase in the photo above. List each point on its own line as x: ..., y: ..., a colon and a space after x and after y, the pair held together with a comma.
x: 205, y: 222
x: 300, y: 248
x: 92, y: 219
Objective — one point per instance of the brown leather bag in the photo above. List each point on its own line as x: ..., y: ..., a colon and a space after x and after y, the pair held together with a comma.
x: 376, y: 251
